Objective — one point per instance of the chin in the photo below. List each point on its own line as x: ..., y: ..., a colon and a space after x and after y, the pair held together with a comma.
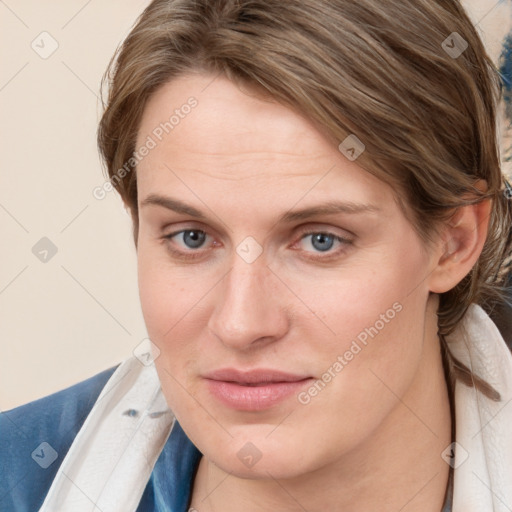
x: 257, y: 457
x: 275, y: 465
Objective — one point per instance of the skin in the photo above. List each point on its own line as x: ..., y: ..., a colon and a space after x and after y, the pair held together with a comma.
x: 372, y: 438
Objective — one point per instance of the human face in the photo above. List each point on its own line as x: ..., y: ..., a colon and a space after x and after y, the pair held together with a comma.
x: 247, y: 290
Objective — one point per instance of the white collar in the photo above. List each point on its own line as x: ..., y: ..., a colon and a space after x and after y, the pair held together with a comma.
x: 483, y: 454
x: 113, y: 454
x: 112, y: 457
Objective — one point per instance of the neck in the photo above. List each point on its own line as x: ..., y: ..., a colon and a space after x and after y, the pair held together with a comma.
x: 398, y: 468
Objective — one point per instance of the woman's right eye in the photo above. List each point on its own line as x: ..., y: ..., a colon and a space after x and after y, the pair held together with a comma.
x: 191, y: 239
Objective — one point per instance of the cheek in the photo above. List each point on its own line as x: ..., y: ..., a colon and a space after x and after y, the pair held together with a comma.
x: 164, y: 293
x: 377, y: 299
x: 154, y: 296
x: 165, y: 301
x: 173, y: 308
x: 162, y: 300
x: 372, y: 370
x: 379, y: 320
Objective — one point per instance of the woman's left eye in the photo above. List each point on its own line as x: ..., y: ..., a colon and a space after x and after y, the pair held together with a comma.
x: 323, y: 241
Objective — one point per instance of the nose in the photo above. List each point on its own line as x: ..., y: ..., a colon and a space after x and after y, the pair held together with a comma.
x: 250, y: 308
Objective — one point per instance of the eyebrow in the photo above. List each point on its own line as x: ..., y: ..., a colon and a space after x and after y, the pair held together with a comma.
x: 328, y: 208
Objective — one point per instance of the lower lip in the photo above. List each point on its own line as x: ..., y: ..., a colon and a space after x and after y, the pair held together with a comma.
x: 254, y: 398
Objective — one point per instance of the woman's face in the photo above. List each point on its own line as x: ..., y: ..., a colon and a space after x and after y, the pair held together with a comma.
x: 253, y: 275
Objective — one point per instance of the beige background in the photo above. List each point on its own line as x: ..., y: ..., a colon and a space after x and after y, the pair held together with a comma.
x: 78, y: 313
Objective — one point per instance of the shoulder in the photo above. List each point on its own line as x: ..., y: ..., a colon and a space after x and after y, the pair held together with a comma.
x: 35, y: 437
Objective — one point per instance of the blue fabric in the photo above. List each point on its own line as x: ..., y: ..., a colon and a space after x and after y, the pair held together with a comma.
x: 33, y: 435
x: 170, y: 485
x: 56, y: 419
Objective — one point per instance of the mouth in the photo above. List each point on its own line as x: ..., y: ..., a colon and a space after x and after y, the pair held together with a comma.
x: 254, y: 390
x: 256, y: 376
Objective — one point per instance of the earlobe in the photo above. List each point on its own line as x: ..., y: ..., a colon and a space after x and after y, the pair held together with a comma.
x: 460, y: 246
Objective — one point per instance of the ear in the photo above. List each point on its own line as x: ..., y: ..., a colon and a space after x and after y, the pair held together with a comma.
x: 461, y: 244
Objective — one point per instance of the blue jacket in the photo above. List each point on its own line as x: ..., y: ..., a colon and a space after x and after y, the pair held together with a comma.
x: 27, y: 468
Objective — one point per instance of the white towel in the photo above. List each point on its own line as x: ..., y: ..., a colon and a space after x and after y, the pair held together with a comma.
x: 112, y: 457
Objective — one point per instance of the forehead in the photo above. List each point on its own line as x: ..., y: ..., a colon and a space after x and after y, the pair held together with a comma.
x: 235, y: 135
x: 224, y: 110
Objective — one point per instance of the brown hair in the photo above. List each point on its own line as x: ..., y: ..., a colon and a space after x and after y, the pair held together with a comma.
x: 410, y: 78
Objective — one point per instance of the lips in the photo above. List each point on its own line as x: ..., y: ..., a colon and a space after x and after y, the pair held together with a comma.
x: 258, y: 376
x: 253, y: 390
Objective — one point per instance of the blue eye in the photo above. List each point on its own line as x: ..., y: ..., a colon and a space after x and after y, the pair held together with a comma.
x: 192, y: 238
x: 323, y: 241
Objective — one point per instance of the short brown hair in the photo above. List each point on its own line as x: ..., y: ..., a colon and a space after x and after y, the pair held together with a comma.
x: 410, y: 78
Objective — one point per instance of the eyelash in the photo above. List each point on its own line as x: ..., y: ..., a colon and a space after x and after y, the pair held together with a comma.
x: 195, y: 254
